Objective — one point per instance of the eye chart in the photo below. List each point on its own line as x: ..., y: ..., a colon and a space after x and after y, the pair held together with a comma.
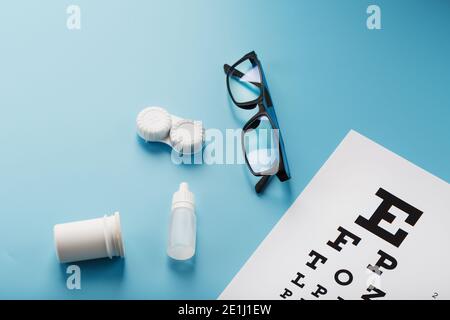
x: 370, y: 225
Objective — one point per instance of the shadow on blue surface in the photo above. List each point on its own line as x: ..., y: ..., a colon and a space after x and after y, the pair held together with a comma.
x: 286, y: 194
x: 182, y: 267
x: 162, y: 149
x: 153, y: 147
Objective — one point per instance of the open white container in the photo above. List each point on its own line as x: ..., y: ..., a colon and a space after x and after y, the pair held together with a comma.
x: 89, y: 239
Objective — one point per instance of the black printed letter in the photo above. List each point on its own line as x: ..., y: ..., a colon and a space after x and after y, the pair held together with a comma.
x: 382, y: 263
x: 341, y: 239
x: 320, y: 291
x: 378, y: 293
x: 317, y: 257
x: 382, y: 213
x: 296, y: 280
x: 337, y: 277
x: 287, y: 293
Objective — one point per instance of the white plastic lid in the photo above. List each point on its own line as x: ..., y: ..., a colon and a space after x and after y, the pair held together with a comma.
x: 187, y: 136
x: 183, y: 197
x: 153, y: 124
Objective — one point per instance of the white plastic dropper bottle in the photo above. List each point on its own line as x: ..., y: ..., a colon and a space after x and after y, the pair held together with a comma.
x: 182, y: 229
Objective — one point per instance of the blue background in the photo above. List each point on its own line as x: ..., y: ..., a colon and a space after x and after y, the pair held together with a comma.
x: 69, y: 100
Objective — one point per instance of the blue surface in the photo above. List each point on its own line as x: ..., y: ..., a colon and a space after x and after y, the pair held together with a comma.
x: 69, y: 100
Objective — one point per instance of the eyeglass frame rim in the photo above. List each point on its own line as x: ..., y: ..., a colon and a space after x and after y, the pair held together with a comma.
x: 253, y: 103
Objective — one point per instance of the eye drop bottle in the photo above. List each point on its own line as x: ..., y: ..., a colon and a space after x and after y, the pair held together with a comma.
x: 182, y: 229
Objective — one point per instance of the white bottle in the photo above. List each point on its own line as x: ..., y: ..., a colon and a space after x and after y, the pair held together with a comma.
x: 182, y: 229
x: 89, y: 239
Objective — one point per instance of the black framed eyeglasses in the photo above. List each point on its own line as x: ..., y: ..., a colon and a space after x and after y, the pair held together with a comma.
x: 262, y: 142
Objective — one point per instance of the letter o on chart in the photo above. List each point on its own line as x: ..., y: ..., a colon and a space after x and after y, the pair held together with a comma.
x: 343, y: 280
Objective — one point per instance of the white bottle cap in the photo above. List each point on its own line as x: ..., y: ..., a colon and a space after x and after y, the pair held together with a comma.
x: 153, y: 124
x: 183, y: 197
x: 187, y: 136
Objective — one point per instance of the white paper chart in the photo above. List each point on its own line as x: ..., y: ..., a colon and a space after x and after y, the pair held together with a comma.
x: 370, y: 225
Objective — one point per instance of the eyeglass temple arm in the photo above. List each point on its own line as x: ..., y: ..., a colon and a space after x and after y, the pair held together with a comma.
x: 262, y: 183
x: 238, y: 74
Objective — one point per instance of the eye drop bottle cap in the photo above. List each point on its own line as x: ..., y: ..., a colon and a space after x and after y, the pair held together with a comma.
x: 183, y: 197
